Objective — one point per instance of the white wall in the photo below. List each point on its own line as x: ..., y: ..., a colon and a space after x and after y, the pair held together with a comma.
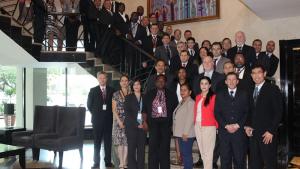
x: 236, y: 16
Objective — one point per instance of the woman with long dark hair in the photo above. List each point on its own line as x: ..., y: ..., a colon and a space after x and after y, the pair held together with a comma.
x: 134, y: 128
x: 205, y: 122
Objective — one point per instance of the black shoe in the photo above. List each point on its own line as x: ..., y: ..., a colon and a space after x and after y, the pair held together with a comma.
x: 95, y: 166
x: 198, y: 164
x: 215, y: 166
x: 109, y: 165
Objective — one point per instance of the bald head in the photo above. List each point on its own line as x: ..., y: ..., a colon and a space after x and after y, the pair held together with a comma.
x: 240, y: 38
x: 270, y: 46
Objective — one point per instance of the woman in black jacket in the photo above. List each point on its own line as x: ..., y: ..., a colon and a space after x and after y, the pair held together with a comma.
x: 135, y: 128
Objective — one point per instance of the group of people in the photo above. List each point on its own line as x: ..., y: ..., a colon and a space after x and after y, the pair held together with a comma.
x: 226, y: 100
x: 220, y: 95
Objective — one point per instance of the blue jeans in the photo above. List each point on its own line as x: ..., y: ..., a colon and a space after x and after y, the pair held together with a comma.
x: 186, y: 152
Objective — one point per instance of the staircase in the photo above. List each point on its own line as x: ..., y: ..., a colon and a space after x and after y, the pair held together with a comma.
x: 21, y: 31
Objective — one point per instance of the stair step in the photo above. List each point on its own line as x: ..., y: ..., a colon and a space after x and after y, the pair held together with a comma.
x: 49, y: 56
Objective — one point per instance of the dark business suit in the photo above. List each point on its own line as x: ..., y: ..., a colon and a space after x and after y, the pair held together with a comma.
x: 194, y: 56
x: 246, y: 83
x: 161, y: 53
x: 39, y: 24
x: 159, y: 130
x: 269, y: 62
x: 191, y: 68
x: 232, y: 110
x: 148, y: 44
x: 136, y: 137
x: 120, y: 24
x: 249, y: 54
x: 265, y: 115
x: 215, y: 79
x: 152, y: 79
x: 101, y: 121
x: 140, y: 34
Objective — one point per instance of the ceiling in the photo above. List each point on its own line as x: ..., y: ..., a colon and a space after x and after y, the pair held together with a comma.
x: 274, y: 9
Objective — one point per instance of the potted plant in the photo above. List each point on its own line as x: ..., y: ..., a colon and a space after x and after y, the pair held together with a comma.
x: 9, y: 109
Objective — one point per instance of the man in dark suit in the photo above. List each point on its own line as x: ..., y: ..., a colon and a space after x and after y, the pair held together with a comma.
x: 177, y: 37
x: 219, y: 60
x: 243, y: 72
x: 248, y: 51
x: 226, y: 45
x: 268, y: 59
x: 265, y: 115
x: 184, y: 61
x: 192, y: 50
x: 166, y: 52
x: 100, y: 105
x: 150, y: 43
x: 231, y: 110
x: 161, y: 69
x: 39, y: 24
x: 187, y: 34
x: 121, y: 20
x: 257, y: 45
x: 159, y: 104
x: 215, y: 77
x: 137, y: 31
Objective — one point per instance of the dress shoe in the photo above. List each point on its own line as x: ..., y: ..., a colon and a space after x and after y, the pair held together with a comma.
x: 215, y: 166
x: 198, y: 164
x: 95, y: 166
x: 109, y: 165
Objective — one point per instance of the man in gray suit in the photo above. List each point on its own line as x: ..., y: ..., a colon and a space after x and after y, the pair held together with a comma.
x: 218, y: 59
x: 166, y: 52
x: 177, y: 37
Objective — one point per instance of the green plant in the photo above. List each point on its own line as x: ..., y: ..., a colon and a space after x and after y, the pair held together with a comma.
x: 8, y: 81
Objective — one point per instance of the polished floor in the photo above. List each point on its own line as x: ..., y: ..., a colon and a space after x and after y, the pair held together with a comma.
x: 71, y: 159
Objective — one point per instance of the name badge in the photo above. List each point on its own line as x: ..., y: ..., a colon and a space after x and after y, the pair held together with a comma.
x: 104, y: 106
x: 159, y: 109
x: 139, y: 118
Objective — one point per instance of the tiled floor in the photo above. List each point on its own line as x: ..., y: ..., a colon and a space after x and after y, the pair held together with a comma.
x: 71, y: 159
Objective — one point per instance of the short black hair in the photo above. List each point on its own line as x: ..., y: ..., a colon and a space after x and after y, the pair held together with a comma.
x: 226, y: 39
x: 154, y: 24
x: 187, y: 85
x: 260, y: 66
x: 187, y: 31
x: 160, y: 60
x: 232, y: 73
x: 239, y: 53
x: 161, y: 76
x: 165, y: 34
x: 217, y: 43
x: 191, y: 38
x: 256, y: 40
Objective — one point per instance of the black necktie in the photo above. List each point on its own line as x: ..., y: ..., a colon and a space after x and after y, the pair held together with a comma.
x: 240, y: 49
x: 215, y: 64
x: 255, y: 94
x: 168, y: 52
x: 231, y: 94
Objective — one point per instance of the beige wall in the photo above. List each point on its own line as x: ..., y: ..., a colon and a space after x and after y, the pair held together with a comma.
x: 236, y: 16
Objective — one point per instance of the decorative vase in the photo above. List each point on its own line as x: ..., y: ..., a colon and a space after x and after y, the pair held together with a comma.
x: 9, y: 115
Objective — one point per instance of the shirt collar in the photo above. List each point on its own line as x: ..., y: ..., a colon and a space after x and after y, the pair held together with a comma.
x: 260, y: 85
x: 234, y: 90
x: 218, y: 57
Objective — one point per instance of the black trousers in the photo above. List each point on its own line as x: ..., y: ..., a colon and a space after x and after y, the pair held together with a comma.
x: 136, y: 139
x: 39, y: 26
x: 72, y: 26
x: 263, y: 155
x: 159, y: 144
x: 102, y: 132
x: 233, y: 148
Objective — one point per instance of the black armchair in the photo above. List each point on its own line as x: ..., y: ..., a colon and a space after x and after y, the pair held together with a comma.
x: 44, y: 121
x: 69, y: 132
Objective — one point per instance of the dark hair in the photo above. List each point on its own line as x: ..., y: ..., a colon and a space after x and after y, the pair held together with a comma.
x: 210, y: 54
x: 187, y: 31
x: 226, y: 39
x: 124, y: 75
x: 177, y: 72
x: 165, y: 34
x: 205, y: 41
x: 232, y: 73
x: 160, y: 60
x: 260, y: 66
x: 217, y: 43
x: 191, y: 38
x: 239, y: 53
x: 210, y: 92
x: 204, y: 48
x: 154, y: 24
x: 136, y: 80
x: 256, y: 40
x: 187, y: 85
x: 161, y: 76
x: 184, y: 51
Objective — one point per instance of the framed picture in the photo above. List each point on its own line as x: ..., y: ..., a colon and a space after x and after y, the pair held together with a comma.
x: 183, y: 11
